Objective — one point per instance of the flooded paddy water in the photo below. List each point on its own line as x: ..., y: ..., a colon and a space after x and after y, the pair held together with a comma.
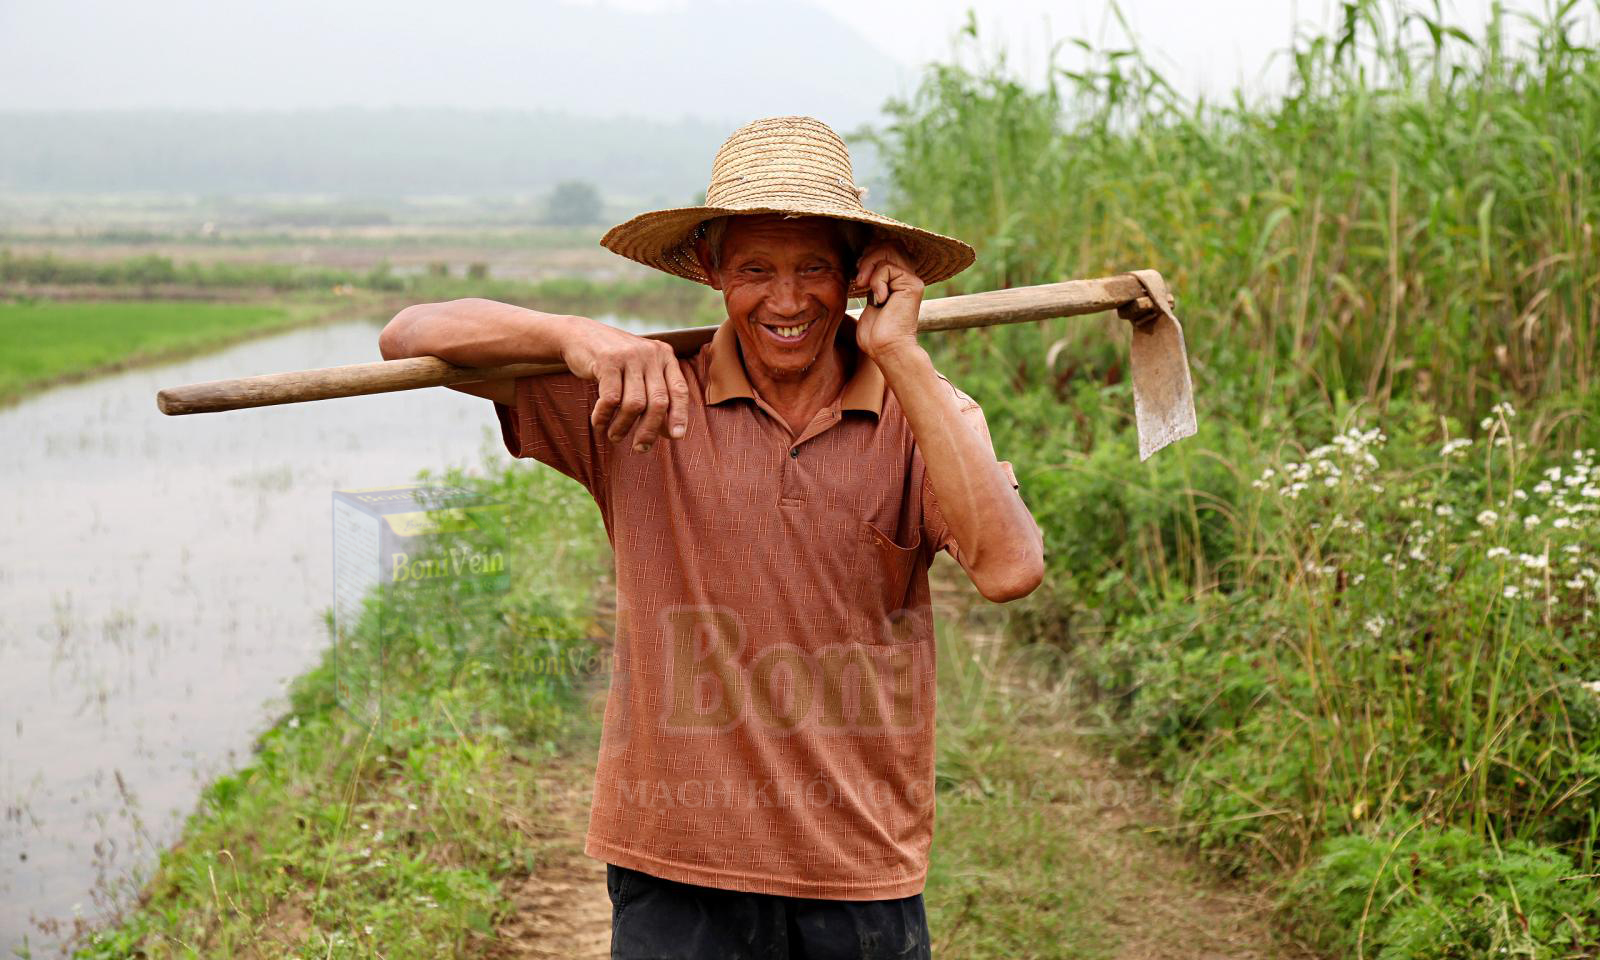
x: 161, y: 581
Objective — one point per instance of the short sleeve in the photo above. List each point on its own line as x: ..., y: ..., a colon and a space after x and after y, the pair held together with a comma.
x: 936, y: 531
x: 549, y: 422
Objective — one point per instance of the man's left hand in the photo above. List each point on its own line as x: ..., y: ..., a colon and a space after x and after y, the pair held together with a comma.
x: 894, y: 297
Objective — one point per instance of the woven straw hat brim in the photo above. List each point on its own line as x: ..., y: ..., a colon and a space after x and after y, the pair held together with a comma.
x: 664, y: 239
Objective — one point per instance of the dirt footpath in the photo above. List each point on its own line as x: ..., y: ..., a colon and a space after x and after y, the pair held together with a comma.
x: 561, y: 911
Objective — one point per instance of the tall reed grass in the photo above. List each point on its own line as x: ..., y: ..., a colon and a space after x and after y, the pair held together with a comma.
x: 1410, y: 218
x: 1354, y: 623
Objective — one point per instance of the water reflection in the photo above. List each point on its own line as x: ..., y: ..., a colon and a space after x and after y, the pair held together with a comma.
x: 161, y: 580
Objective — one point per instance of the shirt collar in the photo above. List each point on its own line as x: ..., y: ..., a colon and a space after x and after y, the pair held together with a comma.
x: 727, y: 378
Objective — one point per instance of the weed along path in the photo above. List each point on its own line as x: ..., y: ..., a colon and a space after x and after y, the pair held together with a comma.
x: 1041, y: 850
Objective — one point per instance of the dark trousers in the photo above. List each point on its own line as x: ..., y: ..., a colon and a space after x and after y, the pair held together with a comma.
x: 656, y: 919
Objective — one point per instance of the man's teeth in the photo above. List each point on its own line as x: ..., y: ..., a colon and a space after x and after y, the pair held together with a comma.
x: 793, y: 331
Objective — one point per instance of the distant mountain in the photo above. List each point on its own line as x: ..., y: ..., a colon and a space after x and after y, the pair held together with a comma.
x: 372, y: 153
x: 719, y: 60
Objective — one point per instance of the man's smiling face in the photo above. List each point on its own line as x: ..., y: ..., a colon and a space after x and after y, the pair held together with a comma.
x: 783, y: 282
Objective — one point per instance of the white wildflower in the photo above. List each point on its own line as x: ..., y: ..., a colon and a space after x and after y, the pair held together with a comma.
x: 1530, y: 521
x: 1488, y: 518
x: 1375, y: 625
x: 1552, y: 474
x: 1519, y: 494
x: 1561, y: 523
x: 1496, y: 553
x: 1444, y: 510
x: 1453, y: 447
x: 1533, y: 561
x: 1510, y: 592
x: 1543, y: 488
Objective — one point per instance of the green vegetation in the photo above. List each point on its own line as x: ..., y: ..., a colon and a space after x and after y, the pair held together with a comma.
x: 652, y: 296
x: 155, y: 270
x: 341, y: 839
x: 573, y: 203
x: 1352, y: 624
x: 48, y: 342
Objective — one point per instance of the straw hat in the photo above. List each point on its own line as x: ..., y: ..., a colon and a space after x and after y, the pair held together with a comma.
x: 792, y: 165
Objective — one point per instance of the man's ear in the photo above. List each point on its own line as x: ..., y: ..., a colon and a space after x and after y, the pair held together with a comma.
x: 702, y: 253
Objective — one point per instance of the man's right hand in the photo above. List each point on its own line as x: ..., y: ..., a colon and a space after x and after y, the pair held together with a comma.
x: 642, y: 388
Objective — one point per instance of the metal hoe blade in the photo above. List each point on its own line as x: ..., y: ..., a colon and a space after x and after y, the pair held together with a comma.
x: 1163, y: 394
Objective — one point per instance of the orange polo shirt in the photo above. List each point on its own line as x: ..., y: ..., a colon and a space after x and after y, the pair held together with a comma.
x: 769, y: 725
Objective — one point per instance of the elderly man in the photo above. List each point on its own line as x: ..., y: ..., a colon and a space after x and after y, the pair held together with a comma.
x: 765, y: 781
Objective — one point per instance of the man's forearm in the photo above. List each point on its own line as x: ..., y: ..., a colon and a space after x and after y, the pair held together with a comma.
x: 999, y: 541
x: 479, y: 333
x: 640, y: 389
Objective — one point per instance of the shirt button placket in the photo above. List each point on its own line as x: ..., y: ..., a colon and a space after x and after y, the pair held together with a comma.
x: 790, y: 481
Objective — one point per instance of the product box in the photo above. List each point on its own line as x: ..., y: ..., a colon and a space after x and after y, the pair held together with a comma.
x: 414, y: 567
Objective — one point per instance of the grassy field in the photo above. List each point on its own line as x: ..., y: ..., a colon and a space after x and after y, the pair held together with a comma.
x: 47, y: 342
x: 1353, y: 624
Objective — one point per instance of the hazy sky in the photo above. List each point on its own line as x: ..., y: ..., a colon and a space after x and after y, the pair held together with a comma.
x: 717, y: 59
x: 1201, y: 45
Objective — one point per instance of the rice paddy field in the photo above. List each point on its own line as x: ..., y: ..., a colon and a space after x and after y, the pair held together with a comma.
x: 48, y: 342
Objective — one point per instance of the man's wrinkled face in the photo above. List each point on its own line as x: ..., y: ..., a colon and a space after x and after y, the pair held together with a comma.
x: 783, y: 282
